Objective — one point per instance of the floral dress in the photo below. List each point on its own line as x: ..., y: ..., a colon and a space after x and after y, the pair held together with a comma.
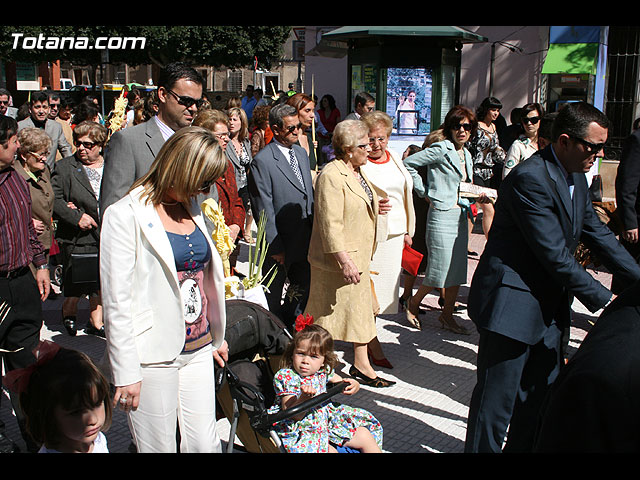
x: 327, y: 423
x: 487, y: 154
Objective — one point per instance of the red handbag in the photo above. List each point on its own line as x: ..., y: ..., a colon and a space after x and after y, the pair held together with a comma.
x: 411, y: 260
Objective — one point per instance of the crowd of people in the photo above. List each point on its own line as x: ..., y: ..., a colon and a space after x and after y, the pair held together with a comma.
x: 120, y: 211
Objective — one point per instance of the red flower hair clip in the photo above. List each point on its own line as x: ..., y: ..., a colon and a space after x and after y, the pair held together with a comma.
x: 303, y: 321
x: 18, y: 380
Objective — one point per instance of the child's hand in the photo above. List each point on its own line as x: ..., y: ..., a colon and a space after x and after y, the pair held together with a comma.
x: 307, y: 391
x: 352, y: 387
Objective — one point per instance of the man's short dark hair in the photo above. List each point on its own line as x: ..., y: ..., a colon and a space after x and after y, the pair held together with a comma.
x: 173, y: 72
x: 4, y: 91
x: 546, y: 126
x: 39, y: 96
x: 574, y: 119
x: 362, y: 98
x: 8, y: 128
x: 53, y: 95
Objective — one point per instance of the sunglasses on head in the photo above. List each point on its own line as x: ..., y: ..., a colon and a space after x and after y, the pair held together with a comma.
x: 185, y: 100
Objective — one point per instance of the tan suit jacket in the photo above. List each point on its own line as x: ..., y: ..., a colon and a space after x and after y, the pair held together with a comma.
x: 344, y: 219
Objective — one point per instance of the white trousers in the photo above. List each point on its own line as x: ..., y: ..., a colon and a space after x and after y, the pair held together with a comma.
x: 181, y: 391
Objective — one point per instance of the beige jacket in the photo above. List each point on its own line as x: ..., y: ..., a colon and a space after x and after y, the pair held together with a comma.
x: 344, y: 219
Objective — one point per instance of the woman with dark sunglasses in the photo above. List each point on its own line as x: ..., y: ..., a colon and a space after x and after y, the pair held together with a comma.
x: 449, y: 163
x: 527, y: 144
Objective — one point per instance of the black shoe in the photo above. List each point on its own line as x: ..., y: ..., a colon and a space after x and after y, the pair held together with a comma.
x: 7, y: 445
x: 69, y: 323
x: 91, y: 330
x: 372, y: 382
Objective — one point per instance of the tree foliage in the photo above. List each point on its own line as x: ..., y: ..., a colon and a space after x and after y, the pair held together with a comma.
x: 231, y: 46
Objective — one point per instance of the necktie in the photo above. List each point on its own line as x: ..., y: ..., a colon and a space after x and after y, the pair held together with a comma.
x: 294, y: 165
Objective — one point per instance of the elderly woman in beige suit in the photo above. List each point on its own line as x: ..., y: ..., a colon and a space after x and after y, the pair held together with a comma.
x: 341, y: 248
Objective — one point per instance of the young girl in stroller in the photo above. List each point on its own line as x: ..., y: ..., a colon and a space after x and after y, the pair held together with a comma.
x: 307, y: 365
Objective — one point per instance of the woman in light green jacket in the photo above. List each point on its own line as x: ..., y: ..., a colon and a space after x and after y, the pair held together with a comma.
x: 449, y: 163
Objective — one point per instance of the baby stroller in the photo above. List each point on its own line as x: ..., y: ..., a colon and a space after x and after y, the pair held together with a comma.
x: 244, y: 387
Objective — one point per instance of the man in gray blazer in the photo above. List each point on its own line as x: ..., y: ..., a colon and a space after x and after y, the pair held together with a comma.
x: 280, y: 185
x: 39, y: 118
x: 131, y: 151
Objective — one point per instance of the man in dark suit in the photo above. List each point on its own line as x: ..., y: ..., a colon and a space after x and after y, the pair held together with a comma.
x: 594, y: 405
x: 628, y: 197
x: 522, y: 290
x: 280, y: 185
x: 131, y: 151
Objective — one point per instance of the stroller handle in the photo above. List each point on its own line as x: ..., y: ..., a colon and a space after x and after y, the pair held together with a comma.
x: 265, y: 422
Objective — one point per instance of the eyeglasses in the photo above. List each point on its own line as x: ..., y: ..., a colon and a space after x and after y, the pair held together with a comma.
x: 293, y: 127
x: 363, y: 147
x: 4, y: 102
x: 466, y: 126
x: 373, y: 140
x: 40, y: 155
x: 221, y: 136
x: 531, y: 120
x: 185, y: 100
x: 206, y: 185
x: 590, y: 147
x: 87, y: 145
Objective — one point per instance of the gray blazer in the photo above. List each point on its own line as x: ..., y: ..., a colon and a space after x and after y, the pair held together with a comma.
x: 71, y: 184
x: 128, y: 155
x: 58, y: 140
x: 274, y: 188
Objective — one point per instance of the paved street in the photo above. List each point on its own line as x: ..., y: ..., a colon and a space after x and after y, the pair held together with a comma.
x: 425, y: 411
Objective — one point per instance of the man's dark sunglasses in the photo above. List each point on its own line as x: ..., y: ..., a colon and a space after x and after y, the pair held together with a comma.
x: 591, y: 147
x: 185, y: 100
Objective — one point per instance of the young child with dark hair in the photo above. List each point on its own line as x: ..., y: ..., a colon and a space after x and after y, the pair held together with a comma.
x: 65, y: 399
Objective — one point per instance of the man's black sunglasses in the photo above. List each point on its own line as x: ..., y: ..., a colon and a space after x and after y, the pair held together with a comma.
x: 185, y: 100
x: 591, y: 147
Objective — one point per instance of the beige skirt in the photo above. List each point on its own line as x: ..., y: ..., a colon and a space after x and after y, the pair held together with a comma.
x: 344, y: 310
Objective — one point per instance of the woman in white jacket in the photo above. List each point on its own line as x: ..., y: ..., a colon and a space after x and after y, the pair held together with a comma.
x: 163, y: 300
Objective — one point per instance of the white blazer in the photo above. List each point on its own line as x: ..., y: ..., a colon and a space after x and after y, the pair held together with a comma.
x: 142, y: 304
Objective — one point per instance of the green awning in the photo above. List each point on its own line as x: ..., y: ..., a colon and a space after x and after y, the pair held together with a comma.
x: 571, y: 58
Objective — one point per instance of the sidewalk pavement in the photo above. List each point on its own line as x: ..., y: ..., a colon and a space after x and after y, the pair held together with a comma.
x: 425, y: 411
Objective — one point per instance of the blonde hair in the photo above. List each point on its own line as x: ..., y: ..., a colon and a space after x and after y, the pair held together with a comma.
x: 32, y: 139
x: 209, y: 118
x: 377, y: 118
x: 244, y: 130
x: 346, y: 136
x: 94, y: 130
x: 191, y: 157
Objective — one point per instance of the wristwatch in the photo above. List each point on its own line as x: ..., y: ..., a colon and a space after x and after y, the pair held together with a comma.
x: 43, y: 267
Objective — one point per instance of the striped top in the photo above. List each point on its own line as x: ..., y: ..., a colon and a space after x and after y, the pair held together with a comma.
x: 19, y: 244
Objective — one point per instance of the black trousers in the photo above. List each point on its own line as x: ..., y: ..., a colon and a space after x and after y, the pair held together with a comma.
x: 288, y: 305
x: 20, y: 329
x: 513, y: 380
